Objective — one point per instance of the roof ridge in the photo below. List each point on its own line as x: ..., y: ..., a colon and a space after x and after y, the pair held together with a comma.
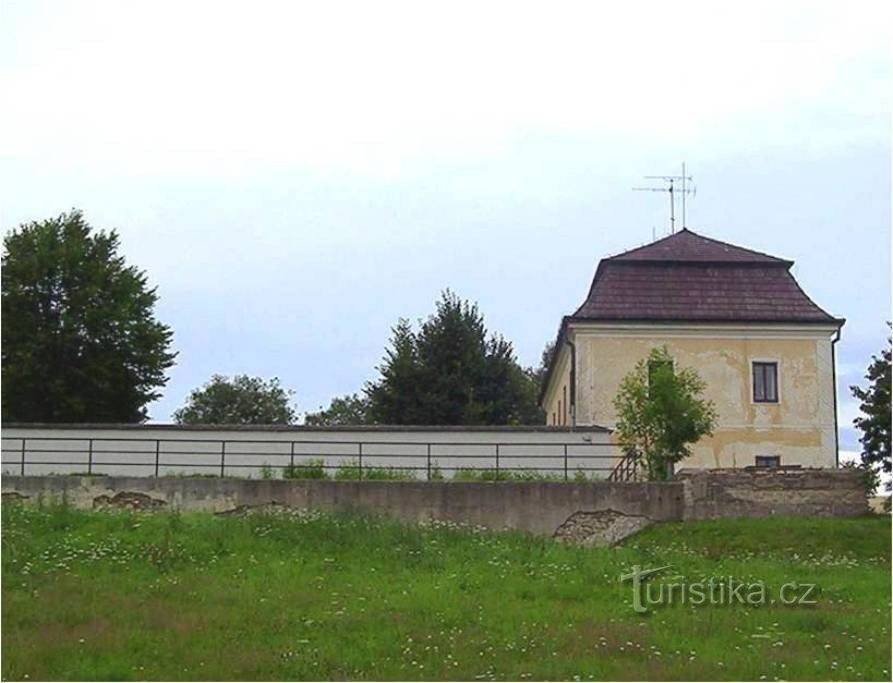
x: 658, y: 250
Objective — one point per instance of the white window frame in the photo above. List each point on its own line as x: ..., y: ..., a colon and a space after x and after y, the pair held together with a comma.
x: 750, y: 364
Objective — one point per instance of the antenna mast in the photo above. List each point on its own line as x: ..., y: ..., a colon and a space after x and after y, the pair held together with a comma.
x: 670, y: 188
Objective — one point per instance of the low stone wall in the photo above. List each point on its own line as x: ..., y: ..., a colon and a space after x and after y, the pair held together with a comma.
x: 537, y: 507
x: 766, y: 492
x: 593, y: 511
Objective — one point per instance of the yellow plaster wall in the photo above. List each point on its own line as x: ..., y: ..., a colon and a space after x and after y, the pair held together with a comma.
x: 800, y: 428
x: 553, y: 402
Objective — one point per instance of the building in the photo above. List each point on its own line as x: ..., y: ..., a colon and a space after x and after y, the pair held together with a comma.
x: 738, y: 317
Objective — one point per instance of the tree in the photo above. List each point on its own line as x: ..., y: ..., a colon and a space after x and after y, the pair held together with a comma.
x: 660, y: 412
x: 242, y: 400
x: 451, y: 373
x: 80, y: 340
x: 546, y: 357
x: 874, y: 423
x: 351, y: 409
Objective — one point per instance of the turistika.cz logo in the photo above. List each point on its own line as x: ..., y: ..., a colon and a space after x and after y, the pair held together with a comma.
x: 722, y: 591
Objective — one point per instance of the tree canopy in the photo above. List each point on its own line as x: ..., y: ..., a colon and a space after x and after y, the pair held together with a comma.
x: 242, y: 400
x: 452, y: 372
x: 80, y: 339
x: 351, y: 409
x: 660, y: 412
x: 874, y: 423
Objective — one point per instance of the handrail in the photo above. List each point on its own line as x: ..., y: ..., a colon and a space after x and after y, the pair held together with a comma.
x: 626, y: 470
x: 97, y: 455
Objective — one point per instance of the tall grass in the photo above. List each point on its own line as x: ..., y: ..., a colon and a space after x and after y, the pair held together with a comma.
x: 309, y: 596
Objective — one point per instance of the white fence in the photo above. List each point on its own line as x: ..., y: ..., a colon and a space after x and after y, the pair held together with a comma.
x: 352, y: 452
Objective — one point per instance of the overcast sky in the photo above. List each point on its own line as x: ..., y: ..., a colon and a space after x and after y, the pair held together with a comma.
x: 294, y: 178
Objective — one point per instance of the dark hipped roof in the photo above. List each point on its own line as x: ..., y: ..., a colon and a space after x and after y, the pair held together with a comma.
x: 688, y: 278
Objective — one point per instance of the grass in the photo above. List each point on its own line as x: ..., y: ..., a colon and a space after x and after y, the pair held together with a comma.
x: 120, y: 595
x: 315, y: 468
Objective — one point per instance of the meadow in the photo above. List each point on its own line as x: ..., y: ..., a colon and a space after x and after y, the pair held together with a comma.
x: 299, y: 595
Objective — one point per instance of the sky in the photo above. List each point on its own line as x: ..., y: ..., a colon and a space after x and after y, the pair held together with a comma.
x: 294, y: 177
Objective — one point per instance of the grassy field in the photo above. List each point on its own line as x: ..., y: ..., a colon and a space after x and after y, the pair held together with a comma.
x: 116, y: 595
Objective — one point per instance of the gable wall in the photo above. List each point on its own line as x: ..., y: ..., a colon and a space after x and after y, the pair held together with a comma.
x: 800, y: 428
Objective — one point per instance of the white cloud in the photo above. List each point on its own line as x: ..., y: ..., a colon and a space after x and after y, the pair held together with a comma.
x: 154, y: 86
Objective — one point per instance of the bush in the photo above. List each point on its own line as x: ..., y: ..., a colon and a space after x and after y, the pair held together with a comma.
x: 351, y: 470
x: 312, y: 468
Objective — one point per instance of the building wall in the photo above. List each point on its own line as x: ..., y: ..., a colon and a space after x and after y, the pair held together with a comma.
x: 557, y: 398
x: 800, y: 428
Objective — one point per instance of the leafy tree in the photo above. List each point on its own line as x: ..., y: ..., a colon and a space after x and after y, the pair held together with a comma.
x: 242, y: 400
x: 351, y: 409
x: 539, y: 373
x: 80, y: 339
x: 660, y: 412
x: 875, y: 420
x: 451, y: 373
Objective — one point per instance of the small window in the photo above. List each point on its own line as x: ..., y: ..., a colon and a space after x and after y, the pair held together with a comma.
x: 765, y: 382
x: 564, y: 414
x: 768, y: 461
x: 658, y: 366
x: 553, y: 418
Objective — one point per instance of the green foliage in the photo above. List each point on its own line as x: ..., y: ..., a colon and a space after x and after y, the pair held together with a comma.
x: 308, y: 596
x: 80, y: 339
x: 660, y: 412
x: 351, y: 409
x: 242, y: 400
x: 312, y: 468
x: 874, y: 423
x: 351, y: 470
x: 451, y: 372
x: 546, y: 358
x: 474, y: 474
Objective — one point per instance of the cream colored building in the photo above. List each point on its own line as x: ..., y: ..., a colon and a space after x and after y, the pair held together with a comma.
x: 738, y: 317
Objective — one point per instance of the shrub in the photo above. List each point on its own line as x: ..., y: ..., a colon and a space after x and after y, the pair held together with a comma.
x: 312, y: 468
x: 351, y: 470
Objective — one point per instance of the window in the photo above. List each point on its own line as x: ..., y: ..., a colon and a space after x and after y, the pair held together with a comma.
x: 553, y: 418
x: 658, y: 366
x: 564, y: 414
x: 768, y: 461
x: 765, y: 382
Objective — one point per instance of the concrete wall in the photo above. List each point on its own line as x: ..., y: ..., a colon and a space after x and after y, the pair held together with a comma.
x: 538, y: 507
x: 800, y: 427
x: 129, y: 450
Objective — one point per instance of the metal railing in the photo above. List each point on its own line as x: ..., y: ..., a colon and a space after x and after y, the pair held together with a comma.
x: 226, y: 457
x: 626, y: 470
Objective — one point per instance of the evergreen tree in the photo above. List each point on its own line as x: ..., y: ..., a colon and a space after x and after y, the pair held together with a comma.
x: 80, y: 338
x: 875, y: 420
x: 396, y: 398
x: 451, y: 373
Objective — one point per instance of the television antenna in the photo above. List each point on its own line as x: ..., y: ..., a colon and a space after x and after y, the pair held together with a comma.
x: 673, y: 185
